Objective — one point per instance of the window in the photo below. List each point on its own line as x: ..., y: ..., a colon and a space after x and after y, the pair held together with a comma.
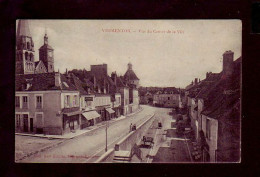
x: 31, y: 57
x: 26, y: 55
x: 208, y: 128
x: 75, y: 101
x: 67, y: 101
x: 38, y: 102
x: 17, y: 101
x: 168, y: 98
x: 28, y: 45
x: 25, y: 102
x: 18, y: 120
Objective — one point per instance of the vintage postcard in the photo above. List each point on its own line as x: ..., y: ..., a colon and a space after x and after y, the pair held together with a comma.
x: 128, y: 91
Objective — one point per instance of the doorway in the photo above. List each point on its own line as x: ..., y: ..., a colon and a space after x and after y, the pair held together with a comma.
x: 31, y: 124
x: 25, y: 123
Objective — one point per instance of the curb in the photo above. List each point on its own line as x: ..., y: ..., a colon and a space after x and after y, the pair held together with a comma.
x: 110, y: 151
x: 64, y: 139
x: 84, y: 133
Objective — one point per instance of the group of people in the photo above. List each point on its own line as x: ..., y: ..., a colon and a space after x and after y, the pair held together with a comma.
x: 132, y: 127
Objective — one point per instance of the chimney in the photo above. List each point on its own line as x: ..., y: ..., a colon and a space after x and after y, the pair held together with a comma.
x: 66, y: 71
x: 228, y: 58
x: 196, y: 81
x: 57, y: 80
x: 114, y: 76
x: 191, y: 82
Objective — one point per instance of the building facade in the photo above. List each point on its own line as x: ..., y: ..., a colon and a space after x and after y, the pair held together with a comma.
x: 46, y: 103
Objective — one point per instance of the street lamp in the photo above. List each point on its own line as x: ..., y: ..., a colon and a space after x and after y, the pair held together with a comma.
x: 106, y: 128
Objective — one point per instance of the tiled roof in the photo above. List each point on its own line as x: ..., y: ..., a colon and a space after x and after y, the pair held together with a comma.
x: 169, y: 90
x: 46, y: 46
x: 224, y: 95
x: 189, y: 87
x: 41, y: 82
x: 130, y: 75
x: 206, y: 85
x: 77, y: 83
x: 120, y: 82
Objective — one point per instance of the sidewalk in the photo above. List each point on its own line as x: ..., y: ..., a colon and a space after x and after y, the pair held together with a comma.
x: 168, y: 147
x: 80, y: 132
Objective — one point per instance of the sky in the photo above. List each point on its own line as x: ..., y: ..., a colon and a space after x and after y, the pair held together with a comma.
x: 164, y: 53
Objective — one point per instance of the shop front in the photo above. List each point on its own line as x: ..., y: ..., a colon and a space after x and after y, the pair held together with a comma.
x: 110, y: 113
x: 71, y: 121
x: 89, y: 119
x: 118, y: 111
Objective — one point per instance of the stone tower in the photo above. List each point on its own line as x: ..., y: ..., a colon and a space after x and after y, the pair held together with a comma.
x: 46, y: 55
x: 24, y: 49
x: 228, y: 58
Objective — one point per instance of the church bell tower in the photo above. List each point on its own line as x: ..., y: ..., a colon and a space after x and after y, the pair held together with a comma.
x: 46, y: 55
x: 24, y: 49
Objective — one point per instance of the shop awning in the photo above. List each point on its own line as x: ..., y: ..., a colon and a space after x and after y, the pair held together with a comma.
x: 90, y: 115
x: 110, y: 111
x: 73, y: 113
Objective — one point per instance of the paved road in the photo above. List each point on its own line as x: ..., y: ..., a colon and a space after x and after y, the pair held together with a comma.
x: 88, y: 148
x: 166, y: 149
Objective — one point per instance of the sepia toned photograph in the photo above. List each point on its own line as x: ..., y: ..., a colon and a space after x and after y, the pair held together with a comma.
x: 128, y: 91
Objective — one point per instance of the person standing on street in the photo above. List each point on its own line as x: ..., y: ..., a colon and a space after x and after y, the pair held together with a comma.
x: 130, y: 127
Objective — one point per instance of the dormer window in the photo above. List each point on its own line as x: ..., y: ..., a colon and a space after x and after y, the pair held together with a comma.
x: 28, y: 86
x: 65, y: 84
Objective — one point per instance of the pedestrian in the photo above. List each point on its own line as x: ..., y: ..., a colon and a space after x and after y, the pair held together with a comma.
x: 130, y: 127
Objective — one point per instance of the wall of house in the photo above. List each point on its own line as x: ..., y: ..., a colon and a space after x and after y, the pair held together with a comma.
x: 72, y: 102
x: 167, y: 100
x: 117, y: 102
x: 229, y: 143
x: 200, y: 108
x: 194, y: 117
x: 135, y: 97
x: 102, y: 100
x: 87, y: 105
x: 51, y: 105
x: 212, y: 141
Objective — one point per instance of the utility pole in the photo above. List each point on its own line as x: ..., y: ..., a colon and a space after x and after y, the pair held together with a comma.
x: 106, y: 136
x: 106, y: 129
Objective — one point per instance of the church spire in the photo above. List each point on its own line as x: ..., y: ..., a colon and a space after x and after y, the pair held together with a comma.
x: 45, y: 37
x: 24, y: 49
x: 23, y: 28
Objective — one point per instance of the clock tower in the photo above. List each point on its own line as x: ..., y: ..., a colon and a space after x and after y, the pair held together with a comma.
x: 46, y: 55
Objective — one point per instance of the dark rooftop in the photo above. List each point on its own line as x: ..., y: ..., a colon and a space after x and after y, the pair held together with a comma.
x: 41, y: 82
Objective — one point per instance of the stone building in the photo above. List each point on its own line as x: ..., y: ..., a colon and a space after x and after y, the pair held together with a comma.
x: 25, y: 53
x: 169, y: 97
x: 215, y: 112
x: 46, y: 103
x: 132, y: 81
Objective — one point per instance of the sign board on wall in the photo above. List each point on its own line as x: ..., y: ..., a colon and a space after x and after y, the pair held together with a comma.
x: 88, y: 98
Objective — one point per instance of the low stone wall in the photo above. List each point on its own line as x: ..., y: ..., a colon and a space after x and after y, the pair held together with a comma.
x: 128, y: 141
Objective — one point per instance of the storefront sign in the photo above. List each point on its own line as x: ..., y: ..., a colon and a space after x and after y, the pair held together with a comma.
x: 88, y: 98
